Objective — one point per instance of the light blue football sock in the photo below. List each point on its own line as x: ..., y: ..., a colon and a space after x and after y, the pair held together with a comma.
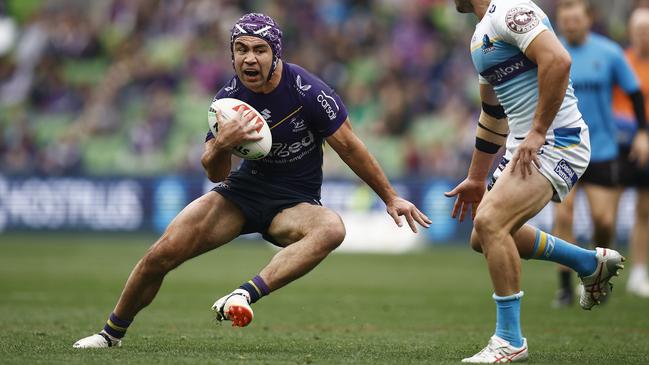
x: 508, y: 318
x: 550, y: 248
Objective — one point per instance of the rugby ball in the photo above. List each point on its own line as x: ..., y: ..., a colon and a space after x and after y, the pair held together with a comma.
x: 229, y: 107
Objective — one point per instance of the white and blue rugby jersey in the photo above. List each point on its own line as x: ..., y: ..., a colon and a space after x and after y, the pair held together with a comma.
x: 498, y: 52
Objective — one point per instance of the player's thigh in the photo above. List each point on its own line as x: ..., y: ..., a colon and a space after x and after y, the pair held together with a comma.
x: 603, y: 201
x: 206, y: 223
x: 513, y: 200
x: 294, y: 223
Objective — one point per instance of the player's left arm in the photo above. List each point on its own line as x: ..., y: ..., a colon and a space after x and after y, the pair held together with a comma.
x: 354, y: 153
x: 628, y: 81
x: 640, y: 145
x: 553, y: 62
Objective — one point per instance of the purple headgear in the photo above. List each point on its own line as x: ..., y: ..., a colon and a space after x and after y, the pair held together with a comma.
x: 260, y: 26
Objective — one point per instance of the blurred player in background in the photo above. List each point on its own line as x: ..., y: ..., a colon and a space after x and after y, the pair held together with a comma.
x: 278, y: 196
x: 633, y: 169
x: 523, y: 66
x: 597, y: 65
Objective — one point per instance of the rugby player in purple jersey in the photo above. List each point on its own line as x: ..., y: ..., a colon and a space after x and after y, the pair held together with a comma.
x: 277, y: 196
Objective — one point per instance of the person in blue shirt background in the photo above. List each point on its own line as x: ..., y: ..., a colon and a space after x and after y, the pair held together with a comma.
x: 634, y: 171
x: 598, y: 64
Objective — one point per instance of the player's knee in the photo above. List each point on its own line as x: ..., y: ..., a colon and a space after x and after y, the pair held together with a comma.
x: 483, y: 224
x: 604, y: 224
x: 159, y: 260
x: 333, y: 231
x: 475, y: 241
x: 642, y: 208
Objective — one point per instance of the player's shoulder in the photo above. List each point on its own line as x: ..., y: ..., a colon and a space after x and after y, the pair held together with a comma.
x: 302, y: 81
x: 606, y: 44
x: 231, y: 89
x: 517, y: 16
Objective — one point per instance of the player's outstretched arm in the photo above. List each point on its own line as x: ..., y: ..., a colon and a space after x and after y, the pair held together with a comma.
x: 354, y: 153
x: 491, y: 134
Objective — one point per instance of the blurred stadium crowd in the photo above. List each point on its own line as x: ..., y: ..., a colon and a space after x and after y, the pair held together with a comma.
x: 122, y: 86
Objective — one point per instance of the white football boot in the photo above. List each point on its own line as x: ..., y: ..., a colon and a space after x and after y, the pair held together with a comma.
x: 638, y: 286
x: 499, y: 351
x: 234, y: 307
x: 96, y: 341
x: 594, y: 287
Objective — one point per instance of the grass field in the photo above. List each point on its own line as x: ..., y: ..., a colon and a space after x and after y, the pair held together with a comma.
x: 429, y: 307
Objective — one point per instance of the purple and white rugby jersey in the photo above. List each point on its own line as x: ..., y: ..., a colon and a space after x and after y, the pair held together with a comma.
x: 300, y: 112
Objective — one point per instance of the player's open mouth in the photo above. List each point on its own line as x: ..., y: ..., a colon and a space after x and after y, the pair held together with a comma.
x: 251, y: 73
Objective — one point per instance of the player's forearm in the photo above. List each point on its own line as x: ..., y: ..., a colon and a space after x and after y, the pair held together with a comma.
x: 639, y: 109
x: 366, y: 167
x: 480, y: 165
x: 216, y: 162
x: 553, y: 78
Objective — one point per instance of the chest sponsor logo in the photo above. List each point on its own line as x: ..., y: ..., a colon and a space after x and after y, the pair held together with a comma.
x: 301, y: 87
x: 283, y: 150
x: 508, y: 69
x: 566, y: 173
x: 521, y: 20
x: 329, y: 105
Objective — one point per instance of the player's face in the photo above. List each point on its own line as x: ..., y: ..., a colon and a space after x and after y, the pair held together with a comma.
x: 253, y: 59
x: 464, y: 6
x: 574, y: 23
x: 639, y: 35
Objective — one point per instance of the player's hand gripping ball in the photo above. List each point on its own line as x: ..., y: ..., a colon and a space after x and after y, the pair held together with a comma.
x: 253, y: 150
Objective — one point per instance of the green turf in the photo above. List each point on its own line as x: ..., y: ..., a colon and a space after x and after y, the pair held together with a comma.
x: 429, y: 307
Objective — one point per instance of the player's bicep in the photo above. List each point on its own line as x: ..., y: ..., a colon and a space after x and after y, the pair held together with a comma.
x: 488, y: 95
x: 546, y: 49
x: 344, y: 140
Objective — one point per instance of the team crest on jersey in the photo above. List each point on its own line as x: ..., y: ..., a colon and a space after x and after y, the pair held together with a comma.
x: 298, y: 124
x: 521, y: 20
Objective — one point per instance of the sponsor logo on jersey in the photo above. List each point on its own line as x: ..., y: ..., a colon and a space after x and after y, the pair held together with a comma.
x: 284, y: 150
x: 566, y: 173
x: 324, y: 101
x: 266, y: 114
x: 223, y: 185
x: 521, y: 20
x: 232, y: 87
x: 487, y: 44
x: 508, y: 69
x: 301, y: 88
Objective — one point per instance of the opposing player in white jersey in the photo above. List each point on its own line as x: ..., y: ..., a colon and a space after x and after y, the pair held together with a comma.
x: 527, y: 103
